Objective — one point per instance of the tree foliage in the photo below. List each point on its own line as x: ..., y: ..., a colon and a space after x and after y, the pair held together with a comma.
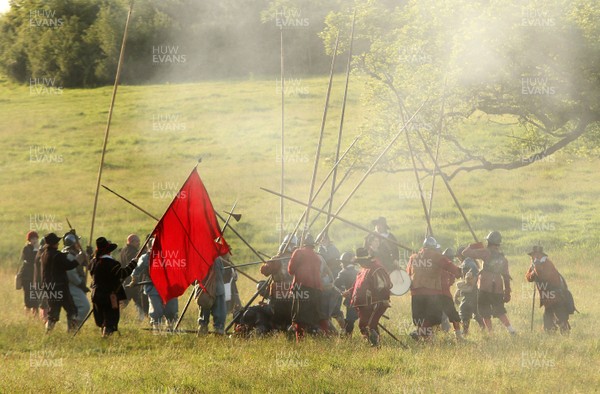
x: 529, y: 70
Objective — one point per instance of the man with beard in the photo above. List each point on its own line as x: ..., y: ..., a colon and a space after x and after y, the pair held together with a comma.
x: 55, y: 283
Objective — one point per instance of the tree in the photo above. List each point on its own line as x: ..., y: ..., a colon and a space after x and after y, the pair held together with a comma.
x: 530, y: 71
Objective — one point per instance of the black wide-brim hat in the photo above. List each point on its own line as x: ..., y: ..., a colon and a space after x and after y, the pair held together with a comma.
x: 380, y: 221
x: 104, y: 246
x: 51, y: 239
x: 537, y: 249
x: 362, y: 257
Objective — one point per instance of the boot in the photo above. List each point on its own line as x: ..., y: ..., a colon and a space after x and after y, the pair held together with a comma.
x: 374, y: 338
x: 72, y: 325
x: 49, y: 326
x: 203, y: 329
x: 106, y: 332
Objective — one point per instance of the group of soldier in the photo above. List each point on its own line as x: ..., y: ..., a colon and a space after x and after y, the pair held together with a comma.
x: 306, y: 287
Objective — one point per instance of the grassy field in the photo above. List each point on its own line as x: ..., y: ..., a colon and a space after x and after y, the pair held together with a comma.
x: 51, y: 146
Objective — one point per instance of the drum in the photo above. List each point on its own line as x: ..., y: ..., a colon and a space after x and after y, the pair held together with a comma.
x: 401, y: 282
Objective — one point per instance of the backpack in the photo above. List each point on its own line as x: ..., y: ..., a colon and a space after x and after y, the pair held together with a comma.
x: 569, y: 301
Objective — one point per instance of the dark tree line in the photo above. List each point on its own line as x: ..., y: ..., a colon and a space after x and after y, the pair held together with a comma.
x: 77, y: 42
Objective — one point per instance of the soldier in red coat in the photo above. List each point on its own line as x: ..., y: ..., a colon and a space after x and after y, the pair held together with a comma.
x: 370, y: 294
x: 552, y: 289
x: 425, y: 270
x: 493, y: 284
x: 305, y: 267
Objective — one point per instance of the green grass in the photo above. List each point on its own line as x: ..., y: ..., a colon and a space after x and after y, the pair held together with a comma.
x: 234, y: 127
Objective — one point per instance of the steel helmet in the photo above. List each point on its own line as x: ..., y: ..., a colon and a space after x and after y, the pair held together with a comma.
x: 494, y: 238
x: 430, y: 243
x: 69, y: 240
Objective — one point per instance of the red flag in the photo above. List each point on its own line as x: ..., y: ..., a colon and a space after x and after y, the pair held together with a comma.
x: 185, y: 240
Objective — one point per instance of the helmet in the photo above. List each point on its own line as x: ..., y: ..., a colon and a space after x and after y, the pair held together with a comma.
x: 346, y: 258
x: 449, y: 252
x: 494, y: 238
x: 430, y: 243
x: 69, y: 240
x: 293, y: 240
x: 308, y: 240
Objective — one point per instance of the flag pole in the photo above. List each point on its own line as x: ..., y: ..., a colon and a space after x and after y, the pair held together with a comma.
x: 110, y: 113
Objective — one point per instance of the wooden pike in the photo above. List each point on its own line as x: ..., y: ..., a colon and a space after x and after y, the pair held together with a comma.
x: 366, y: 175
x: 339, y: 141
x: 110, y: 112
x: 320, y: 144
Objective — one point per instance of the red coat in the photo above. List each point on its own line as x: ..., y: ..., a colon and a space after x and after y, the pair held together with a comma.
x: 426, y: 268
x: 372, y: 285
x: 494, y: 276
x: 548, y: 282
x: 305, y: 267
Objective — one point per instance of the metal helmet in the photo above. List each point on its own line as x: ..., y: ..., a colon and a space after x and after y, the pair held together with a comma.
x: 293, y: 243
x: 347, y: 257
x: 494, y: 238
x: 308, y: 240
x: 430, y: 243
x: 69, y: 240
x: 449, y: 252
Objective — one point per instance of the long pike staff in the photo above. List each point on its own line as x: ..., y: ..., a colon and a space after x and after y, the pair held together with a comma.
x: 339, y: 141
x: 366, y: 174
x: 443, y: 176
x: 110, y: 112
x: 337, y: 187
x: 341, y: 219
x: 318, y: 191
x: 437, y: 148
x: 412, y: 157
x: 318, y: 154
x: 282, y: 142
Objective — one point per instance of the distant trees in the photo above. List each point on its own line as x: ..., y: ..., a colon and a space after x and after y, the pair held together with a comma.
x: 76, y: 42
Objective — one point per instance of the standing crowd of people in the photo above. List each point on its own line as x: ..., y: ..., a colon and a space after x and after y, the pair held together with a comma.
x: 309, y: 287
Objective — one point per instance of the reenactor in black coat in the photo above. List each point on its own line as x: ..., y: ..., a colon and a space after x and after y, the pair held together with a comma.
x: 55, y: 283
x: 107, y: 286
x: 26, y: 274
